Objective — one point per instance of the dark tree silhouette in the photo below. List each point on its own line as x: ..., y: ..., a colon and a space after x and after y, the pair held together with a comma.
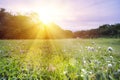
x: 30, y: 27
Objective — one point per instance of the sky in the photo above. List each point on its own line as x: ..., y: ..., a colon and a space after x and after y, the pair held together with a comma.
x: 69, y: 14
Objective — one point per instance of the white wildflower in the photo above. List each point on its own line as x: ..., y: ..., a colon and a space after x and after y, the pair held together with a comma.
x: 118, y: 70
x: 109, y: 65
x: 99, y: 47
x: 109, y: 49
x: 111, y: 57
x: 65, y: 72
x: 82, y: 75
x: 90, y: 72
x: 84, y: 71
x: 90, y: 48
x: 84, y: 62
x: 96, y: 61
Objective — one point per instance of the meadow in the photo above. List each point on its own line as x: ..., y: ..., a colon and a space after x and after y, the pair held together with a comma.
x: 60, y: 59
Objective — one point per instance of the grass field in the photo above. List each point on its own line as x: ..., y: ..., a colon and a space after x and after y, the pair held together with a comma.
x: 62, y: 59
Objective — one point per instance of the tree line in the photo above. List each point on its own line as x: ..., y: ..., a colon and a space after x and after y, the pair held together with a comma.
x: 19, y: 26
x: 106, y: 30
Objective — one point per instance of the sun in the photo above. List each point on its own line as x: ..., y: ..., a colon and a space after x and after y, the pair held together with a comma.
x: 51, y: 14
x: 47, y: 15
x: 45, y: 18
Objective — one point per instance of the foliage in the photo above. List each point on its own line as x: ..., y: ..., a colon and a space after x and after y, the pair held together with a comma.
x: 17, y: 26
x: 105, y: 30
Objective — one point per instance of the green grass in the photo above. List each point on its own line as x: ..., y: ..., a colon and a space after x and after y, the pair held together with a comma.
x: 62, y: 59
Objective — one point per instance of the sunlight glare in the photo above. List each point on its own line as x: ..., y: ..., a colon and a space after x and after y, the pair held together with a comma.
x: 47, y: 14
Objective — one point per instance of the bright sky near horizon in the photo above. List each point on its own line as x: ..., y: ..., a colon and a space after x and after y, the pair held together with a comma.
x: 70, y: 14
